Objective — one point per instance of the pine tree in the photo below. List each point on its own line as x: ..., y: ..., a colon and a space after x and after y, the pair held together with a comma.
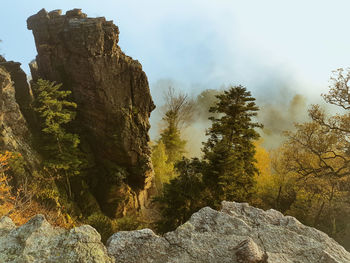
x: 174, y: 145
x: 182, y: 196
x: 230, y: 148
x: 163, y: 170
x: 60, y: 148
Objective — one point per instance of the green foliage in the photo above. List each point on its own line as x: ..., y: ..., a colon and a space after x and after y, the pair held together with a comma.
x: 230, y: 150
x: 114, y: 173
x: 103, y: 224
x: 127, y: 223
x: 204, y: 101
x: 163, y: 170
x: 17, y: 168
x: 182, y: 196
x: 228, y: 169
x: 59, y: 147
x: 44, y: 189
x: 174, y: 145
x: 107, y: 227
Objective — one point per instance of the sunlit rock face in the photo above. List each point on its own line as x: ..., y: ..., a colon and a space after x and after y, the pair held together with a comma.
x: 239, y: 233
x: 38, y: 241
x: 110, y: 88
x: 14, y: 133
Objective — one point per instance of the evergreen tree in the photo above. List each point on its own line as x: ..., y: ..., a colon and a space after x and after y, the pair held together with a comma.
x: 174, y: 145
x: 182, y: 196
x: 163, y: 170
x: 60, y: 148
x: 230, y: 148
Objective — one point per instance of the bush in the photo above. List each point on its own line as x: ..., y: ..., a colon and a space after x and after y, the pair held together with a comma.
x: 127, y: 223
x: 103, y: 225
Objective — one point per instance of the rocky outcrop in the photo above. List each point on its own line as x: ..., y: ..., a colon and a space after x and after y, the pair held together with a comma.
x: 238, y: 233
x: 14, y: 133
x: 37, y: 241
x: 22, y: 91
x: 112, y: 93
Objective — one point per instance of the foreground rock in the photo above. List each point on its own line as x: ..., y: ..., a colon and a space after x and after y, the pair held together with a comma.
x: 37, y: 241
x: 239, y: 233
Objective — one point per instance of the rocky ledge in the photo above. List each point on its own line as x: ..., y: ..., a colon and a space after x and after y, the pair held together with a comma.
x: 238, y: 233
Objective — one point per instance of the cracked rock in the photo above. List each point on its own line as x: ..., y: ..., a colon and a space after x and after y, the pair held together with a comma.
x: 236, y: 234
x: 37, y: 241
x: 249, y: 252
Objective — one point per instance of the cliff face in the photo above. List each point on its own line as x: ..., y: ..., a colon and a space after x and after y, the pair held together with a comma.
x: 14, y: 133
x: 110, y: 88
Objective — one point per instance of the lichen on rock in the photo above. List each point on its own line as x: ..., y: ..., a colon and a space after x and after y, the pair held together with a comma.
x: 37, y: 241
x: 239, y: 233
x: 236, y: 234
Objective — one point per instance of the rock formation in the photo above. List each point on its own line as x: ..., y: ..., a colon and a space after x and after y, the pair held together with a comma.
x: 14, y: 133
x: 238, y: 233
x: 113, y: 97
x: 37, y: 241
x: 22, y: 90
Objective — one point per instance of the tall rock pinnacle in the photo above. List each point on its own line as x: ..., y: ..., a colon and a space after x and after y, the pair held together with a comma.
x: 110, y: 88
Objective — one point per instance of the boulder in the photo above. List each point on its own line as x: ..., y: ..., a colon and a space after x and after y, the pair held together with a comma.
x: 238, y: 233
x: 37, y: 241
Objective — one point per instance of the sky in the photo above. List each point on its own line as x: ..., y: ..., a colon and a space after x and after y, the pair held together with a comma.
x: 275, y: 48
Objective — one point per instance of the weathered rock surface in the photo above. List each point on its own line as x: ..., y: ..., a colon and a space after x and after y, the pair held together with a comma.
x: 22, y: 90
x: 37, y: 241
x: 112, y: 93
x: 14, y: 133
x: 239, y: 233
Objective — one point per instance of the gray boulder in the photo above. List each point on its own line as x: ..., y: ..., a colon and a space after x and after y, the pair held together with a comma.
x: 37, y: 241
x: 237, y: 233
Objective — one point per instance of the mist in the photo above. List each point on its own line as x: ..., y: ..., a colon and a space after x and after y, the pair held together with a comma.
x: 280, y: 107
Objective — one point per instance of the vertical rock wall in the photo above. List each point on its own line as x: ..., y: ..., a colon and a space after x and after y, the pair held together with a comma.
x: 14, y: 133
x: 110, y: 88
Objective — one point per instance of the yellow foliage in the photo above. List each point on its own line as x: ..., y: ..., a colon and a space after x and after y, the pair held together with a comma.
x: 263, y: 160
x: 19, y: 205
x: 6, y: 199
x: 164, y: 171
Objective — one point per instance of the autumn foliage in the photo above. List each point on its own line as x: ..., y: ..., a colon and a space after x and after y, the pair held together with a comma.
x: 19, y: 202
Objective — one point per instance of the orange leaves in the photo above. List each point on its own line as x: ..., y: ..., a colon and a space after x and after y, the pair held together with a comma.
x: 4, y: 158
x: 6, y: 199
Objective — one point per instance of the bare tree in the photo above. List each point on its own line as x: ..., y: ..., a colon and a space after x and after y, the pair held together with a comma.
x: 339, y: 89
x: 178, y: 109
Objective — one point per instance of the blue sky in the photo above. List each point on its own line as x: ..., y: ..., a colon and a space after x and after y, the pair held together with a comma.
x: 265, y: 45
